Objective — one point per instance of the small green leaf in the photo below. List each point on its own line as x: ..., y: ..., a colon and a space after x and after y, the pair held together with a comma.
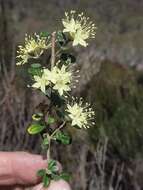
x: 46, y: 141
x: 63, y: 138
x: 52, y: 166
x: 44, y: 34
x: 44, y: 147
x: 61, y: 38
x: 37, y: 116
x: 68, y: 58
x: 36, y: 65
x: 41, y: 173
x: 46, y: 180
x: 55, y: 177
x: 35, y: 71
x: 65, y: 176
x: 50, y: 120
x: 35, y: 129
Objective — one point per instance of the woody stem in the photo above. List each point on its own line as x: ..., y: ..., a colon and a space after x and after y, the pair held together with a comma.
x: 53, y: 49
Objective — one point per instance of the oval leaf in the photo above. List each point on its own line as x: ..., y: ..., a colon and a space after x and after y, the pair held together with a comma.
x: 65, y: 176
x: 41, y: 173
x: 50, y: 120
x: 37, y: 116
x: 46, y: 181
x: 44, y: 34
x: 35, y: 65
x: 35, y: 129
x: 63, y: 138
x: 52, y: 165
x: 35, y: 71
x: 61, y: 38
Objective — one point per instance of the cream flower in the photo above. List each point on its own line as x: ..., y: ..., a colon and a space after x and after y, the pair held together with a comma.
x: 61, y: 78
x: 41, y: 82
x: 80, y: 115
x: 33, y: 48
x: 69, y: 23
x: 79, y: 28
x: 47, y: 74
x: 61, y: 86
x: 80, y: 38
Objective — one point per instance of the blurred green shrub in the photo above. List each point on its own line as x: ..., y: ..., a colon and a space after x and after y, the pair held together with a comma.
x: 117, y: 92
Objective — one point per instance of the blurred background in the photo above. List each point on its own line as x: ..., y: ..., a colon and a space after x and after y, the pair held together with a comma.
x: 110, y: 155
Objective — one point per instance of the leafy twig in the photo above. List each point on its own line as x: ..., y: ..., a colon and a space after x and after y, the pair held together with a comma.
x: 50, y: 138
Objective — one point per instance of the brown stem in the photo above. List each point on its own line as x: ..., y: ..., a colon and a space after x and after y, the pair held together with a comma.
x: 60, y: 127
x: 53, y: 49
x: 48, y: 151
x: 50, y: 138
x: 52, y: 65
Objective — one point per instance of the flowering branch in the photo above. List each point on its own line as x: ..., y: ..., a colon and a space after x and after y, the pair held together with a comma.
x: 55, y: 82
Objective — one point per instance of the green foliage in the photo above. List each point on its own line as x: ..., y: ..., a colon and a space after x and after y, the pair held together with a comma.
x: 46, y: 180
x: 52, y: 173
x: 35, y: 70
x: 46, y: 141
x: 119, y: 109
x: 62, y: 38
x: 45, y: 177
x: 54, y: 79
x: 44, y: 34
x: 65, y: 176
x: 35, y: 129
x: 63, y: 138
x: 36, y: 65
x: 41, y: 173
x: 52, y: 166
x: 37, y: 116
x: 50, y: 120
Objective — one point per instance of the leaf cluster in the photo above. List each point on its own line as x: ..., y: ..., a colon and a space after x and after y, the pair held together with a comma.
x: 52, y: 173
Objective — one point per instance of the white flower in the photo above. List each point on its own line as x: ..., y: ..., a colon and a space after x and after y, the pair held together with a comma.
x: 69, y: 23
x: 80, y: 38
x: 79, y: 28
x: 61, y: 86
x: 41, y: 82
x: 33, y: 48
x: 80, y: 115
x: 47, y: 74
x: 61, y: 78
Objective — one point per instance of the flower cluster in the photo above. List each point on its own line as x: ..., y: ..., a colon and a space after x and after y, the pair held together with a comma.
x: 80, y: 114
x: 33, y: 48
x: 60, y: 78
x: 79, y: 27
